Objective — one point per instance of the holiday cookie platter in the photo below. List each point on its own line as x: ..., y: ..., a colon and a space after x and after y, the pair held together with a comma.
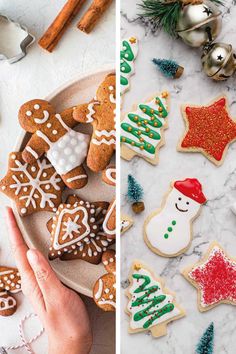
x: 77, y: 274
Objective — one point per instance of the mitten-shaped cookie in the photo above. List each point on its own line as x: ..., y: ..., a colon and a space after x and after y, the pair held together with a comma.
x: 100, y: 112
x: 52, y: 133
x: 104, y: 291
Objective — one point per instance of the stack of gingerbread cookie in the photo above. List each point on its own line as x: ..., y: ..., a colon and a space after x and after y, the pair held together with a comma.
x: 54, y: 158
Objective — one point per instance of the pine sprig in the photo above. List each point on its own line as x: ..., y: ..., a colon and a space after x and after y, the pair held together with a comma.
x: 166, y: 15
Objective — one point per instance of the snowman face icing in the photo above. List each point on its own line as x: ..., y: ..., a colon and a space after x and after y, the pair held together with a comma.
x: 182, y: 205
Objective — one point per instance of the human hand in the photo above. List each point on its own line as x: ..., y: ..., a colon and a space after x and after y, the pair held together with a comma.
x: 61, y: 310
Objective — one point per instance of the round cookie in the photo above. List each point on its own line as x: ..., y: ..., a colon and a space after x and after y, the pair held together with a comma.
x: 8, y: 304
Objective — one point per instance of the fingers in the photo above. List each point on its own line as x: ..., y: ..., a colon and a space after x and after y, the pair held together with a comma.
x: 29, y: 284
x: 47, y: 280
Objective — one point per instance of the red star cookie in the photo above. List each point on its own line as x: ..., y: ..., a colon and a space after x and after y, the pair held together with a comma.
x: 209, y: 130
x: 214, y: 277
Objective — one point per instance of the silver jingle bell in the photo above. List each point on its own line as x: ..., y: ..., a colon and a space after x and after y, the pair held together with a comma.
x: 219, y: 61
x: 199, y: 24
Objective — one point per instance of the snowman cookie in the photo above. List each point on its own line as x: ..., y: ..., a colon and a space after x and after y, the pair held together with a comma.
x: 168, y: 230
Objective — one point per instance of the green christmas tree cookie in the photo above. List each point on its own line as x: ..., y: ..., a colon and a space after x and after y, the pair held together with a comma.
x: 128, y: 53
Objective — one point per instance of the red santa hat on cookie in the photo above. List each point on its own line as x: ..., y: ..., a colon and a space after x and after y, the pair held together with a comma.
x: 191, y: 188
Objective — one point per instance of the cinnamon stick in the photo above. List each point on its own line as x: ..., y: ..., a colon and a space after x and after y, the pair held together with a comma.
x: 92, y: 16
x: 55, y: 31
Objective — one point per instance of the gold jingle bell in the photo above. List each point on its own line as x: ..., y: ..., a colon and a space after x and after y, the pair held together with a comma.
x: 219, y: 61
x: 199, y: 23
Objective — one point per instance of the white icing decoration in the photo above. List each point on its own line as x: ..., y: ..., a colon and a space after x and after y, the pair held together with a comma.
x: 107, y: 217
x: 134, y: 48
x: 35, y: 184
x: 32, y: 152
x: 133, y: 310
x: 98, y: 295
x: 89, y: 116
x: 75, y: 178
x: 6, y: 302
x: 180, y: 237
x: 104, y: 134
x: 109, y: 172
x: 152, y: 104
x: 44, y: 119
x: 124, y: 224
x: 29, y: 113
x: 36, y: 106
x: 71, y: 226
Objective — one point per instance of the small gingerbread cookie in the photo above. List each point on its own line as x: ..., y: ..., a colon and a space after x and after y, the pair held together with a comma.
x: 168, y: 230
x: 214, y: 277
x: 128, y: 54
x: 52, y: 133
x: 101, y: 113
x: 109, y: 175
x: 104, y: 291
x: 8, y: 304
x: 151, y: 306
x: 126, y: 222
x: 142, y: 129
x: 35, y: 187
x: 209, y: 130
x: 10, y: 280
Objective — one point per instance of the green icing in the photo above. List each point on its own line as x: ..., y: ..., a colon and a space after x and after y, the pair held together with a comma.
x: 148, y: 304
x: 126, y: 56
x: 149, y: 124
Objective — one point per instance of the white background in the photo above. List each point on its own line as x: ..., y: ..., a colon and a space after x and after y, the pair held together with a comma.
x: 36, y: 76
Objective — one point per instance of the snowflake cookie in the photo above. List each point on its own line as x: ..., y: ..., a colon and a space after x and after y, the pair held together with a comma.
x: 104, y: 291
x: 35, y: 187
x: 151, y: 306
x: 214, y: 277
x: 76, y: 231
x: 101, y: 113
x: 52, y: 133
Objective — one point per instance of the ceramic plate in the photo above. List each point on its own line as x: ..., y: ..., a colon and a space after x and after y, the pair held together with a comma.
x: 77, y: 274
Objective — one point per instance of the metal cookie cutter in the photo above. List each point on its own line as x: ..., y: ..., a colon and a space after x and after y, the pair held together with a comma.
x: 14, y: 40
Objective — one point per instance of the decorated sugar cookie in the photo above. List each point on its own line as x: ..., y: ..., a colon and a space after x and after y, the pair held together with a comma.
x: 168, y: 230
x: 142, y: 130
x: 8, y: 304
x: 76, y: 231
x: 104, y: 291
x: 209, y: 130
x: 128, y: 54
x: 151, y: 306
x: 35, y: 187
x: 52, y: 133
x: 101, y: 113
x: 214, y: 277
x: 126, y: 222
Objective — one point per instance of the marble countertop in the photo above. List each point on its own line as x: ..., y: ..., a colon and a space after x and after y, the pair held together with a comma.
x: 216, y: 221
x: 37, y: 75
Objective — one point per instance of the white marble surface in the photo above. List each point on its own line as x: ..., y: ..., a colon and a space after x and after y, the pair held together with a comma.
x: 216, y: 221
x: 37, y: 75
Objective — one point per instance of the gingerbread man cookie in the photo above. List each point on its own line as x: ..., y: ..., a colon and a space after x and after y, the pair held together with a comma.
x: 104, y: 291
x: 109, y: 223
x: 100, y: 112
x: 35, y: 187
x: 76, y: 231
x: 52, y: 133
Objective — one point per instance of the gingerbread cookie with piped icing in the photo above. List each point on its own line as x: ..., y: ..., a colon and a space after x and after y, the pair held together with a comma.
x: 76, y: 231
x: 101, y: 113
x: 109, y: 175
x: 10, y: 282
x: 8, y: 305
x: 214, y: 277
x: 52, y: 133
x: 104, y: 291
x: 109, y: 223
x: 142, y: 129
x: 151, y: 306
x: 33, y: 187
